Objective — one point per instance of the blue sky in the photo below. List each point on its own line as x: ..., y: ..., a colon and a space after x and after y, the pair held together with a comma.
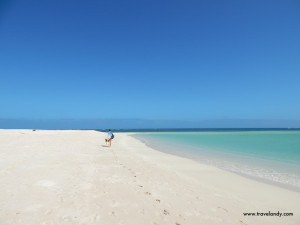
x: 150, y: 60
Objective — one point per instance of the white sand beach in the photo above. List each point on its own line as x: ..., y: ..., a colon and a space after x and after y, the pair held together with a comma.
x: 71, y: 178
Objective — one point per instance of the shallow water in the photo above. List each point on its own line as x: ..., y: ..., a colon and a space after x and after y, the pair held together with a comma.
x: 271, y: 155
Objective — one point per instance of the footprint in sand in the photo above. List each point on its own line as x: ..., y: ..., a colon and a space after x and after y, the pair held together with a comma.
x: 66, y: 218
x: 147, y: 193
x: 219, y: 207
x: 157, y: 200
x: 166, y: 212
x: 48, y: 212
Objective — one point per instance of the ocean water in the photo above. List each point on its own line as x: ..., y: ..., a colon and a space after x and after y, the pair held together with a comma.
x: 271, y: 155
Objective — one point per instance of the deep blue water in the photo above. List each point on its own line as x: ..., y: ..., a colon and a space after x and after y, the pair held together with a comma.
x: 196, y: 130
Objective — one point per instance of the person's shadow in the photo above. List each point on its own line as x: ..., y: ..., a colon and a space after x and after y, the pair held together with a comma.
x: 105, y: 146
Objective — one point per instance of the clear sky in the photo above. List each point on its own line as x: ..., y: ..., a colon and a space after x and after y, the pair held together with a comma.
x: 150, y: 60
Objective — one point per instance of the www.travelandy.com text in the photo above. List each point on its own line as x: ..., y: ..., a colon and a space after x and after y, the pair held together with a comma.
x: 279, y: 214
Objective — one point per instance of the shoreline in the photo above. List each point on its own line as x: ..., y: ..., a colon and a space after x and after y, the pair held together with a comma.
x: 171, y: 151
x: 70, y: 177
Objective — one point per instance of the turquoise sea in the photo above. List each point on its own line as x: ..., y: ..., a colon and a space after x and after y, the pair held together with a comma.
x: 271, y: 155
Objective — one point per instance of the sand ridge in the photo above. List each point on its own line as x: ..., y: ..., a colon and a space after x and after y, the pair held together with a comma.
x: 71, y: 177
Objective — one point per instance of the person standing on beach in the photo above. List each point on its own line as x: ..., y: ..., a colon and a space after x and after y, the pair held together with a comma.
x: 109, y: 138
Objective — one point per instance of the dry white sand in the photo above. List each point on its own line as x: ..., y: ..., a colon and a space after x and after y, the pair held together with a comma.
x: 70, y: 177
